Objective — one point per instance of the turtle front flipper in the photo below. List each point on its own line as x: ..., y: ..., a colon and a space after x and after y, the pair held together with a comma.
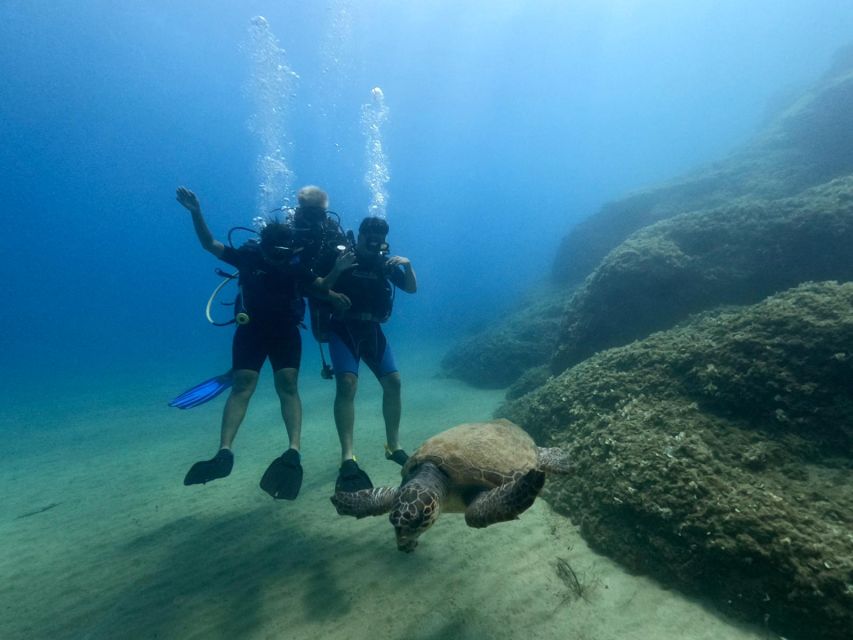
x: 505, y: 502
x: 367, y: 502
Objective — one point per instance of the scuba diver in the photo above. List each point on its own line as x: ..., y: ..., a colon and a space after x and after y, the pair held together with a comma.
x: 272, y: 278
x: 318, y: 233
x: 317, y: 229
x: 368, y: 277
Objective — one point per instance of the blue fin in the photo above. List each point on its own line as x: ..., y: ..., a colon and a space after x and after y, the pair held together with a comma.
x: 203, y: 392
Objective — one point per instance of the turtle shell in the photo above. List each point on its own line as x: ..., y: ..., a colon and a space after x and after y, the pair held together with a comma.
x: 482, y: 454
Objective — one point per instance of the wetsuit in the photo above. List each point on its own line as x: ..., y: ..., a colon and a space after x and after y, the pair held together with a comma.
x: 271, y: 296
x: 319, y: 242
x: 356, y: 334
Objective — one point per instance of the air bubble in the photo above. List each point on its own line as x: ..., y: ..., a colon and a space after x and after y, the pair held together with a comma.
x: 373, y: 116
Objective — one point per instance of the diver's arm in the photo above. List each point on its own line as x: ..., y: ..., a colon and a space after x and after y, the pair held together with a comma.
x: 410, y: 280
x: 190, y: 202
x: 318, y: 289
x: 344, y: 262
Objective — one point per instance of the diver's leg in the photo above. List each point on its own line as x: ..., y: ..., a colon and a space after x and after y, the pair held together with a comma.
x: 286, y: 386
x: 247, y: 357
x: 248, y: 353
x: 385, y: 369
x: 342, y: 351
x: 345, y: 362
x: 245, y: 382
x: 283, y: 478
x: 392, y: 408
x: 350, y: 476
x: 346, y: 387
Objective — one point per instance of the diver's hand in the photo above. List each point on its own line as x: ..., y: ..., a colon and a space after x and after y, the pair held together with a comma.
x: 345, y: 261
x: 339, y: 301
x: 188, y: 200
x: 398, y: 261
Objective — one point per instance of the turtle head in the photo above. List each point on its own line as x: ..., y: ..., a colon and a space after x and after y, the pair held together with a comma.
x: 417, y: 506
x: 413, y: 513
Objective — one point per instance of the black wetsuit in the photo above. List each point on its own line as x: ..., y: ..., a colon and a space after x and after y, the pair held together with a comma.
x: 272, y: 298
x: 319, y: 242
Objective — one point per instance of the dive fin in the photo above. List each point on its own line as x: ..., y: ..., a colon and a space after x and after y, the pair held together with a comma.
x: 283, y: 479
x: 204, y: 391
x: 206, y: 470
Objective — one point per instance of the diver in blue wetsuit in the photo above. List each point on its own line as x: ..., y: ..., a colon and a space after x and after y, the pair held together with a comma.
x: 272, y: 280
x: 367, y: 276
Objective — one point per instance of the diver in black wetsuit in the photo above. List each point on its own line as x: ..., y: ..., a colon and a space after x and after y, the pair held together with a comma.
x: 318, y: 231
x: 320, y: 234
x: 367, y: 276
x: 272, y: 281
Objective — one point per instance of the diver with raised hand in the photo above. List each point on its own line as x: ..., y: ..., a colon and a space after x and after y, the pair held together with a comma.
x: 368, y: 276
x: 318, y: 233
x: 272, y: 279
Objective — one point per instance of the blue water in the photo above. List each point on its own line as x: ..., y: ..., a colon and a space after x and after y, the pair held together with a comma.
x: 507, y: 123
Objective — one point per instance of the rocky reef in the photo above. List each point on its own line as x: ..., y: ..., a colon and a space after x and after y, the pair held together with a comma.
x: 716, y: 456
x: 808, y: 143
x: 694, y: 355
x: 734, y: 254
x: 775, y: 213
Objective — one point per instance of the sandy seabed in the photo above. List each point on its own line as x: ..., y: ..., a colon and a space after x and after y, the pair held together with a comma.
x: 101, y: 539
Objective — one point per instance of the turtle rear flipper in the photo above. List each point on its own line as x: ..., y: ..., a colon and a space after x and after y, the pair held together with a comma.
x: 366, y: 502
x: 554, y: 460
x: 505, y: 502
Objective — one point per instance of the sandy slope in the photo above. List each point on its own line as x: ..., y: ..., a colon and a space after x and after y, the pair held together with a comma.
x: 128, y: 552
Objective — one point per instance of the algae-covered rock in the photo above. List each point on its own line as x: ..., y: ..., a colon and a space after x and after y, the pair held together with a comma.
x: 809, y: 143
x: 775, y: 213
x: 735, y: 254
x: 718, y: 456
x: 529, y: 381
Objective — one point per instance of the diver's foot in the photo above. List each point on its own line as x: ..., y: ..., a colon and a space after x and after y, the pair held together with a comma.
x: 399, y: 456
x: 283, y: 478
x: 217, y: 467
x: 351, y: 478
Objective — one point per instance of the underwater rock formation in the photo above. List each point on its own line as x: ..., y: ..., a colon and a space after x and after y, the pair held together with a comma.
x: 774, y: 214
x: 718, y: 456
x: 809, y: 143
x: 735, y: 254
x: 496, y: 357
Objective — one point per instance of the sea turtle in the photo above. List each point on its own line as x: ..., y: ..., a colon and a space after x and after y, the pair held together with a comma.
x: 491, y: 471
